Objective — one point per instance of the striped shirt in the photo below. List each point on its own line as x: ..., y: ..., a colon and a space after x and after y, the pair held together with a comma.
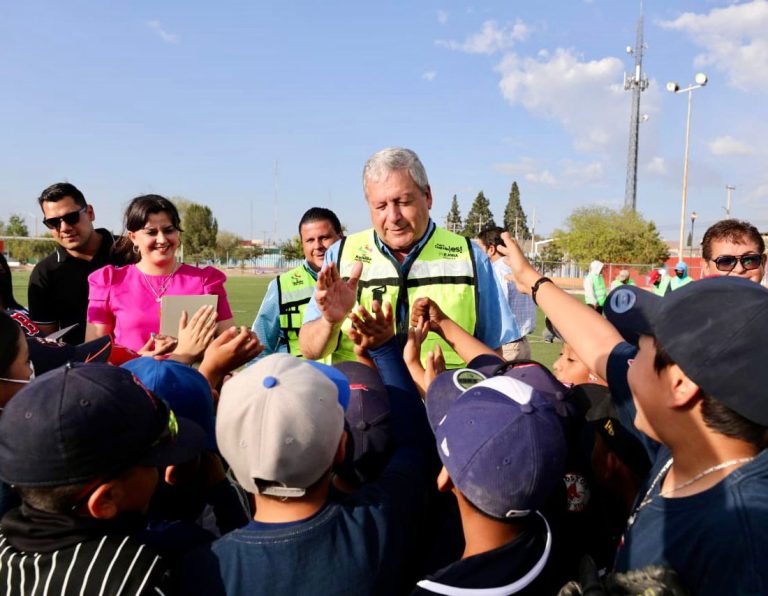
x: 109, y: 565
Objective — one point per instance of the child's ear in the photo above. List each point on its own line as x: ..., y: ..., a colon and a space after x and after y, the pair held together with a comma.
x: 171, y: 476
x: 683, y: 389
x: 102, y: 504
x: 444, y: 482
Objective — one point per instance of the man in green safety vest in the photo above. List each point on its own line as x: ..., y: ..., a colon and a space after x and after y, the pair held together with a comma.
x: 403, y: 258
x: 279, y: 318
x: 594, y: 286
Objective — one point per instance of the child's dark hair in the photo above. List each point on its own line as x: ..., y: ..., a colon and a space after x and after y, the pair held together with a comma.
x: 9, y: 342
x: 716, y: 415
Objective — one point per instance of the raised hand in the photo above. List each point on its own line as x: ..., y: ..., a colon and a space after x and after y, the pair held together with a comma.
x: 157, y: 345
x: 428, y: 310
x: 525, y: 275
x: 334, y: 296
x: 230, y: 350
x: 195, y: 335
x: 370, y: 330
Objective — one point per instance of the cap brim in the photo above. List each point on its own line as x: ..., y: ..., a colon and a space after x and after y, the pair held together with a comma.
x: 187, y: 445
x: 47, y: 354
x: 486, y: 364
x: 446, y: 388
x: 631, y: 310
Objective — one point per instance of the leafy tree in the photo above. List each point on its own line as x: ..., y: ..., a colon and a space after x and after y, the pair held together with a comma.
x: 231, y: 244
x: 611, y: 236
x: 293, y: 249
x: 551, y: 253
x: 200, y: 231
x: 515, y: 219
x: 16, y: 226
x: 479, y: 217
x: 453, y: 219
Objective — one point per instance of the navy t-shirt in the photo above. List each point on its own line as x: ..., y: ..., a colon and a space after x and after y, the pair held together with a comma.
x: 716, y: 540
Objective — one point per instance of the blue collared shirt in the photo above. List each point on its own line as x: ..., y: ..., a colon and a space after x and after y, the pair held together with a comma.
x: 495, y: 324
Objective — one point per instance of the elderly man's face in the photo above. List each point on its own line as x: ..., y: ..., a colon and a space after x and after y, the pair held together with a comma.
x: 726, y: 247
x: 399, y: 210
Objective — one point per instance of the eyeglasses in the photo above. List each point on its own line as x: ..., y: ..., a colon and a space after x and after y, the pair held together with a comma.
x: 71, y: 218
x: 155, y: 231
x: 728, y: 263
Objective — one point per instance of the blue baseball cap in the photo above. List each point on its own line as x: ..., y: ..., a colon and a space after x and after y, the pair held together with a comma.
x: 82, y: 421
x: 184, y: 388
x: 714, y: 329
x: 503, y: 446
x: 368, y: 424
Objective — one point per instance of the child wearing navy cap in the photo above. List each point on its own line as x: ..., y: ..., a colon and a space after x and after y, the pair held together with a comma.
x: 688, y: 375
x: 82, y: 445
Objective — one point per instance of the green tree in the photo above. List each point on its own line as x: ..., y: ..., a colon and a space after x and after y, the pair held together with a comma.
x: 611, y: 236
x: 453, y: 219
x: 292, y: 249
x: 200, y: 231
x: 231, y: 244
x: 479, y: 217
x: 16, y: 226
x: 515, y: 220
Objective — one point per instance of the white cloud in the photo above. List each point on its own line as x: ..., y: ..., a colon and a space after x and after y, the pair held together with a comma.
x: 429, y: 75
x: 733, y: 40
x: 657, y: 165
x: 490, y: 39
x: 727, y: 145
x: 570, y: 173
x: 442, y: 17
x: 586, y: 97
x: 166, y: 36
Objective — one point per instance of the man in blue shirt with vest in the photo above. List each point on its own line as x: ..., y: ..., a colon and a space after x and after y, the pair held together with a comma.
x: 279, y: 318
x: 403, y: 258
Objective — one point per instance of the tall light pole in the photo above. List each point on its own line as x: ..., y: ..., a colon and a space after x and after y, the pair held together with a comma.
x: 637, y: 82
x: 693, y: 221
x: 728, y: 190
x: 701, y: 80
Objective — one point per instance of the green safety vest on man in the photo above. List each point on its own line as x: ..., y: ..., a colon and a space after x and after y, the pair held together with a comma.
x: 443, y: 270
x: 598, y: 286
x: 294, y: 290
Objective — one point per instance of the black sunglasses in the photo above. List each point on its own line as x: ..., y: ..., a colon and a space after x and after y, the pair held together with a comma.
x: 54, y: 223
x: 728, y: 263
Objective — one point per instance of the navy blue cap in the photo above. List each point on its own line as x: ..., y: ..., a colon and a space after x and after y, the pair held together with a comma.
x: 368, y: 424
x: 48, y: 354
x: 184, y: 388
x: 503, y: 446
x: 446, y: 388
x: 82, y: 421
x: 714, y: 329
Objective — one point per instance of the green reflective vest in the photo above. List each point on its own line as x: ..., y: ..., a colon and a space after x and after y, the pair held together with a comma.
x: 598, y: 283
x: 675, y: 282
x: 294, y: 289
x: 443, y: 270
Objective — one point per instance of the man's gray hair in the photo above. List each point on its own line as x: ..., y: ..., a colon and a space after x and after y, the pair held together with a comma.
x: 380, y: 164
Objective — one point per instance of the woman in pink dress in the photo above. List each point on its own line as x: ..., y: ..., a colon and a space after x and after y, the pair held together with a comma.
x: 125, y: 301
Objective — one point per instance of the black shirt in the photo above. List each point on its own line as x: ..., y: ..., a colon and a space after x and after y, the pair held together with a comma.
x: 58, y: 287
x: 524, y: 566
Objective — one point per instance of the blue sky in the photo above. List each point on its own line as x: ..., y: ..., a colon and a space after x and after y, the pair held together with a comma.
x: 202, y: 100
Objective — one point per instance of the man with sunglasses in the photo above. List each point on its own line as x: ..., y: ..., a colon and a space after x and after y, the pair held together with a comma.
x: 58, y: 287
x: 733, y: 247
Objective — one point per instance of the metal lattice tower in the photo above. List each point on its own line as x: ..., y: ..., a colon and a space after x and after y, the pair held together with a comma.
x: 637, y: 83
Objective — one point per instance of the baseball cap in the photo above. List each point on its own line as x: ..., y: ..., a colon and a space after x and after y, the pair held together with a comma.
x: 48, y: 354
x: 714, y: 329
x: 369, y: 442
x: 654, y: 276
x: 184, y: 388
x: 280, y: 420
x: 503, y: 446
x: 81, y: 421
x: 681, y: 266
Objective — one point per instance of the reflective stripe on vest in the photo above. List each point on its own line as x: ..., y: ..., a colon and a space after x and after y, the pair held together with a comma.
x: 444, y: 270
x: 294, y: 290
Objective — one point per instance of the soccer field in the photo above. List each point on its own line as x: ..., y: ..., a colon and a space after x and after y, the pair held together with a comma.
x: 246, y: 292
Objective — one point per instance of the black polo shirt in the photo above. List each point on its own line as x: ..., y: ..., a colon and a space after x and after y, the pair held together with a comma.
x: 58, y: 287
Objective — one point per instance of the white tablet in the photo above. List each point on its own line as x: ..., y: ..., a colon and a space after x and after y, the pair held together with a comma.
x: 171, y: 308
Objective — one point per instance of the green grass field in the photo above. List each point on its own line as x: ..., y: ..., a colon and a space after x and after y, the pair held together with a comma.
x: 246, y: 292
